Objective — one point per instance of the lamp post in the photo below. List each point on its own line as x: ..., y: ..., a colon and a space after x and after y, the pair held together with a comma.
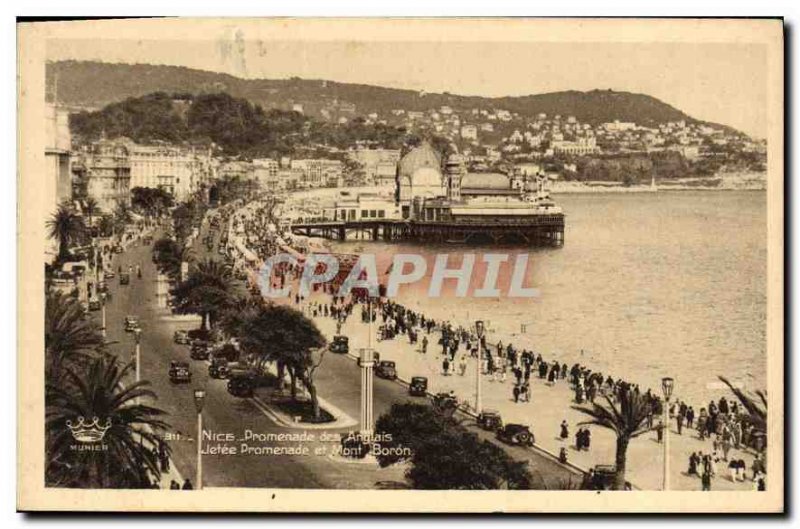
x: 137, y: 334
x: 103, y: 313
x: 199, y: 398
x: 667, y: 385
x: 479, y: 330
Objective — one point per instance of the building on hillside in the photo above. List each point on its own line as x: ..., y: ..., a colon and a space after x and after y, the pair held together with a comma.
x: 469, y: 132
x: 319, y: 172
x: 580, y: 147
x: 102, y: 170
x: 380, y: 165
x: 619, y: 126
x: 236, y: 170
x: 180, y: 171
x: 265, y: 172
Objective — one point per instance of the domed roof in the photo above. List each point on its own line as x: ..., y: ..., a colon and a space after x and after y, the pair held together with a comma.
x: 422, y: 156
x: 485, y: 181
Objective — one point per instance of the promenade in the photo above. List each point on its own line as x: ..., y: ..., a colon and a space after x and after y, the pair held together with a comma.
x: 547, y: 408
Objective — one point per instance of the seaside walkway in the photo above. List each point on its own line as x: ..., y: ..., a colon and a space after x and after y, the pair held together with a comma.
x: 548, y: 406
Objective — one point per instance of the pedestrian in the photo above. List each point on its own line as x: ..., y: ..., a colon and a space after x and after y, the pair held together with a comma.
x: 424, y: 344
x: 706, y: 481
x: 562, y: 455
x: 579, y: 439
x: 446, y: 366
x: 693, y: 464
x: 515, y: 392
x: 587, y: 438
x: 187, y: 485
x: 173, y: 485
x: 462, y: 365
x: 740, y: 471
x: 660, y: 431
x: 564, y: 431
x: 733, y: 468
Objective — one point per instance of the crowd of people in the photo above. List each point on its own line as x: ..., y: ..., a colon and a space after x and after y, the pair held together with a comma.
x: 725, y: 424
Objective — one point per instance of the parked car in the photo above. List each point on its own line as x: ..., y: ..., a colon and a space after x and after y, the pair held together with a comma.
x: 124, y: 278
x: 110, y: 275
x: 199, y: 334
x: 418, y: 387
x: 218, y: 368
x: 94, y: 304
x: 340, y: 344
x: 102, y: 286
x: 179, y: 372
x: 490, y: 420
x: 181, y: 337
x: 516, y: 434
x: 445, y: 403
x: 386, y: 369
x: 200, y: 350
x: 226, y: 351
x: 241, y: 386
x: 131, y: 324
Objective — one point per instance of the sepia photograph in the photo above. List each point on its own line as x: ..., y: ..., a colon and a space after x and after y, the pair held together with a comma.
x: 342, y: 264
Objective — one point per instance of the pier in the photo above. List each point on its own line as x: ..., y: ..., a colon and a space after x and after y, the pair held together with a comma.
x: 538, y: 230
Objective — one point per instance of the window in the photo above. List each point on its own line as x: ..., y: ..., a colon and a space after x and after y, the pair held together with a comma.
x: 381, y: 213
x: 364, y: 213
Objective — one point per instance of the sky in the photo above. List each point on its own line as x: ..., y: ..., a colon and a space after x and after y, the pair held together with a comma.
x: 719, y: 82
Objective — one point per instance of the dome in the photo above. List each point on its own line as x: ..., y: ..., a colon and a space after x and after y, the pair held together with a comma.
x: 422, y: 156
x: 485, y: 181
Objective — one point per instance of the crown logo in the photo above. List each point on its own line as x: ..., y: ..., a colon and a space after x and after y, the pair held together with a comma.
x: 88, y: 432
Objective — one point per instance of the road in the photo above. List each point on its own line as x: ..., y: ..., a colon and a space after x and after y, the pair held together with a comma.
x: 338, y: 382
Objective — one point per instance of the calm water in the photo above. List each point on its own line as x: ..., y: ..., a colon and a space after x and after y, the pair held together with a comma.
x: 647, y: 285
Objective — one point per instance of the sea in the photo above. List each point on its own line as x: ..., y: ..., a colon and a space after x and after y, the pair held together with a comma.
x: 646, y: 285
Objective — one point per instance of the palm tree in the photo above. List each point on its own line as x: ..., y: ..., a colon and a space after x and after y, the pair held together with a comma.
x: 122, y: 216
x: 100, y: 394
x: 207, y: 291
x: 756, y: 405
x: 91, y: 208
x: 627, y: 420
x: 69, y: 335
x: 66, y: 227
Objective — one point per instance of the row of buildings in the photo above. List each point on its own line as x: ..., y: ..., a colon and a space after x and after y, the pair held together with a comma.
x: 108, y: 169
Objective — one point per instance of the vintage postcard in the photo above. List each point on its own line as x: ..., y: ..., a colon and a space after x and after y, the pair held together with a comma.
x: 401, y: 265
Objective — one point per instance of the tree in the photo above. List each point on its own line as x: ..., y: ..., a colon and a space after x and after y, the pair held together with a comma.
x: 122, y: 216
x: 91, y: 208
x: 756, y: 405
x: 627, y: 420
x: 100, y: 394
x: 69, y: 335
x: 207, y: 292
x: 66, y: 227
x: 285, y: 335
x: 443, y: 454
x: 169, y: 257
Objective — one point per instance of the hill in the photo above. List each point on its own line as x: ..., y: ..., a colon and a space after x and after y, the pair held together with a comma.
x: 94, y: 85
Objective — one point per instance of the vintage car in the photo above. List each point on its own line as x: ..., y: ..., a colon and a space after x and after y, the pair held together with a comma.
x: 226, y: 351
x: 241, y: 385
x: 199, y: 334
x: 200, y: 350
x: 110, y: 275
x: 94, y: 304
x: 490, y: 420
x: 102, y: 286
x: 515, y: 434
x: 181, y: 337
x: 124, y: 278
x: 386, y: 369
x: 340, y: 344
x: 131, y: 324
x: 218, y: 368
x: 445, y: 403
x: 418, y: 387
x: 179, y: 372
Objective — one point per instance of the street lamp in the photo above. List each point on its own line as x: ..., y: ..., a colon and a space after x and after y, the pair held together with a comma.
x: 137, y: 334
x: 103, y: 297
x: 199, y: 398
x: 479, y: 330
x: 667, y: 385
